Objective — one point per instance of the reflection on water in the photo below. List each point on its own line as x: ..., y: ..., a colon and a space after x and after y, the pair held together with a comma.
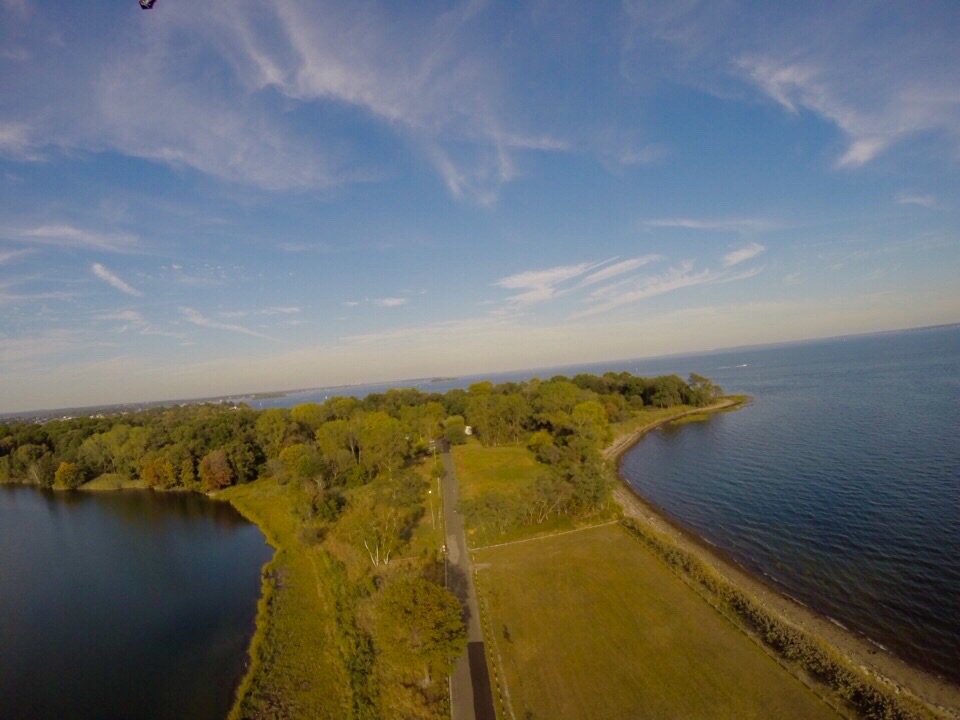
x: 123, y: 604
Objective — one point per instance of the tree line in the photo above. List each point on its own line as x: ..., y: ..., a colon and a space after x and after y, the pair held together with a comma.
x: 344, y: 441
x: 357, y: 471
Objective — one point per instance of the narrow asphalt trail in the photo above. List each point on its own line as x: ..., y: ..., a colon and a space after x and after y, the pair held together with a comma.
x: 470, y: 692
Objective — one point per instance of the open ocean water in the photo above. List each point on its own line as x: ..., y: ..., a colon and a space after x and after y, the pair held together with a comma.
x: 840, y: 483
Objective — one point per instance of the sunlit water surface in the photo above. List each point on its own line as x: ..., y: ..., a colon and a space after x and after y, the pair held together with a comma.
x: 840, y: 483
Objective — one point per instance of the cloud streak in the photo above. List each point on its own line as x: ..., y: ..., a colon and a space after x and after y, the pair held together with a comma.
x: 714, y: 225
x: 926, y: 201
x: 864, y: 74
x: 634, y: 290
x: 70, y: 236
x: 195, y: 317
x: 747, y: 252
x: 389, y: 302
x: 619, y: 268
x: 541, y: 285
x: 113, y: 280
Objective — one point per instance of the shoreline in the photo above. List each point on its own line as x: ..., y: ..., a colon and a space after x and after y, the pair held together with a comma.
x: 939, y: 693
x: 261, y: 622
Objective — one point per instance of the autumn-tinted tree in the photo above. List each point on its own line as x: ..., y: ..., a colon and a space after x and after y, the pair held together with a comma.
x: 158, y: 471
x: 70, y: 475
x: 215, y: 472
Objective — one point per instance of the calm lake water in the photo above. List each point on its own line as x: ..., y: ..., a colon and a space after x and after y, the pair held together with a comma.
x: 123, y: 605
x: 840, y: 483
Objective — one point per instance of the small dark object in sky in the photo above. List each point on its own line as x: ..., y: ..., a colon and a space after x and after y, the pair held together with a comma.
x: 146, y: 4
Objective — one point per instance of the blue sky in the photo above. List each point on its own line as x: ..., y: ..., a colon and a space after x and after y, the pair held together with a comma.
x: 235, y: 195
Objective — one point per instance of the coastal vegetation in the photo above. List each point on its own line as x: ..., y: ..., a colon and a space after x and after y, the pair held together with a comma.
x: 848, y: 685
x: 353, y: 620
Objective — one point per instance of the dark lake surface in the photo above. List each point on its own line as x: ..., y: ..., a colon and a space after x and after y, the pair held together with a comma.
x: 840, y: 483
x: 127, y: 604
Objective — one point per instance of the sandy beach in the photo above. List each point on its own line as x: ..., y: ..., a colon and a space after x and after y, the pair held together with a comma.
x: 936, y: 692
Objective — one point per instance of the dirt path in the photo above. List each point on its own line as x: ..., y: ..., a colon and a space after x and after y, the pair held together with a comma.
x: 885, y: 666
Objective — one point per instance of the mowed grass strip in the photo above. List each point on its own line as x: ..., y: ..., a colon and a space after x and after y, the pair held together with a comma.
x: 591, y: 625
x: 297, y: 671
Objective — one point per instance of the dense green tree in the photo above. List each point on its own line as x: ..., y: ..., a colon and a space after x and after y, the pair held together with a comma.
x: 382, y: 442
x: 272, y: 426
x: 420, y: 628
x: 188, y: 474
x: 311, y: 415
x: 454, y: 430
x: 702, y: 391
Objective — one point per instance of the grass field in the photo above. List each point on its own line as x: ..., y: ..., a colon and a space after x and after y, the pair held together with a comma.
x: 297, y: 671
x: 591, y: 625
x: 504, y: 468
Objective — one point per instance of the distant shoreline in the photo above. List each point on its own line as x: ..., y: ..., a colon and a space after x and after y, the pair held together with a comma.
x: 937, y: 692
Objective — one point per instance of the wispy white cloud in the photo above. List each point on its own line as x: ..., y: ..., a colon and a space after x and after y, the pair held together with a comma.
x: 927, y: 201
x: 678, y: 277
x: 130, y: 316
x: 747, y: 252
x: 863, y: 74
x: 15, y: 142
x: 113, y: 280
x: 422, y: 74
x: 634, y: 290
x: 619, y: 268
x: 389, y: 302
x: 541, y: 285
x: 70, y: 236
x: 133, y: 320
x: 197, y: 318
x: 28, y: 348
x: 280, y: 310
x: 21, y: 298
x: 716, y: 224
x: 8, y: 255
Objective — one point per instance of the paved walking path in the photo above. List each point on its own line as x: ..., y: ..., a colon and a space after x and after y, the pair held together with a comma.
x: 471, y: 696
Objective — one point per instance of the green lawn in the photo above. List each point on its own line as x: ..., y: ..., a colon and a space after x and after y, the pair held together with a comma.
x: 648, y: 415
x: 298, y: 671
x: 591, y: 625
x: 505, y: 468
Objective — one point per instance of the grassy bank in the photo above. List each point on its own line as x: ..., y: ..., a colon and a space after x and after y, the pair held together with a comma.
x: 591, y: 625
x: 296, y: 670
